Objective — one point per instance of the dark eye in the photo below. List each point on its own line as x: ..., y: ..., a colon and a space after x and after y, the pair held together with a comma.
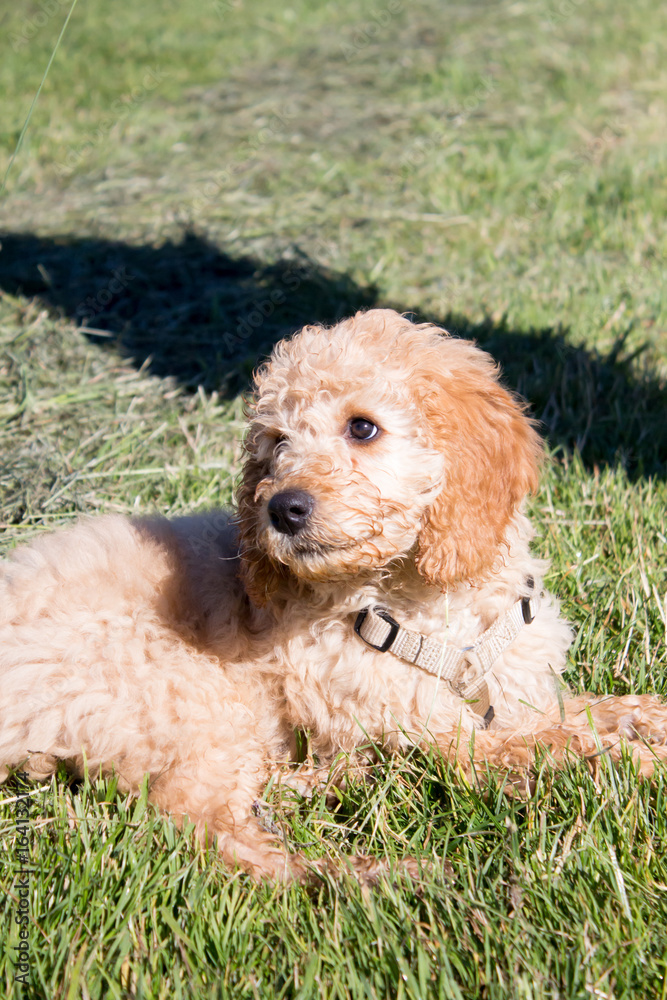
x: 362, y: 429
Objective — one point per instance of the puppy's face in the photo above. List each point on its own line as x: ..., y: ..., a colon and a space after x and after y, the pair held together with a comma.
x: 366, y: 438
x: 344, y: 470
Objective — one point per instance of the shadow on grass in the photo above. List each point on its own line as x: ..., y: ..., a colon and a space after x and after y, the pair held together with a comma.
x: 196, y: 314
x: 186, y: 309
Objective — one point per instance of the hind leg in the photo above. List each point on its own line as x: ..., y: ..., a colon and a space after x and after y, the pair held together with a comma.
x: 629, y: 717
x: 218, y: 795
x: 634, y: 724
x: 209, y: 770
x: 102, y: 664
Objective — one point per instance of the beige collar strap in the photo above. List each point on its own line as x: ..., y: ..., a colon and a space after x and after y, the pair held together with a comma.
x: 463, y: 670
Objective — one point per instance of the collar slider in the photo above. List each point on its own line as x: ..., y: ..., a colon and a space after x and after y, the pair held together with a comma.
x: 386, y: 617
x: 527, y: 610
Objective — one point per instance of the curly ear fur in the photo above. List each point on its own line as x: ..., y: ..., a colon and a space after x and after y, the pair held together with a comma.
x: 260, y: 575
x: 492, y: 457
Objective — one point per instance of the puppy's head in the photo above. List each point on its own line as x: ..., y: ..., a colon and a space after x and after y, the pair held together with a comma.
x: 376, y: 439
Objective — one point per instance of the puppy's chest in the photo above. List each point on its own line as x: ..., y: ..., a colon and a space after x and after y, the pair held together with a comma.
x: 332, y: 678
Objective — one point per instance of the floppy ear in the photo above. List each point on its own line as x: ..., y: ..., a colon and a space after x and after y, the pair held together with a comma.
x: 261, y: 576
x: 492, y: 456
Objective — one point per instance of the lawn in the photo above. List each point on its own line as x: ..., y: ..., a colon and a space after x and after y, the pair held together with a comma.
x: 197, y: 182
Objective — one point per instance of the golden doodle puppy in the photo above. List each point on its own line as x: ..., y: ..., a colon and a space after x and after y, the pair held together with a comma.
x: 375, y: 583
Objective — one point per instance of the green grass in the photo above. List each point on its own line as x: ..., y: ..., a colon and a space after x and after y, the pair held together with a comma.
x: 498, y: 168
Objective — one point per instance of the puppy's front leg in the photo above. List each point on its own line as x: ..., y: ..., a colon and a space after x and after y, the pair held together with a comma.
x: 219, y: 795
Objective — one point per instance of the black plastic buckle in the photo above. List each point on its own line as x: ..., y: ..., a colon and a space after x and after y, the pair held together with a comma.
x: 386, y: 617
x: 525, y: 610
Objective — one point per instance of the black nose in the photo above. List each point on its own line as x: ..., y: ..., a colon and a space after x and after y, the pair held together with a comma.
x: 289, y: 511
